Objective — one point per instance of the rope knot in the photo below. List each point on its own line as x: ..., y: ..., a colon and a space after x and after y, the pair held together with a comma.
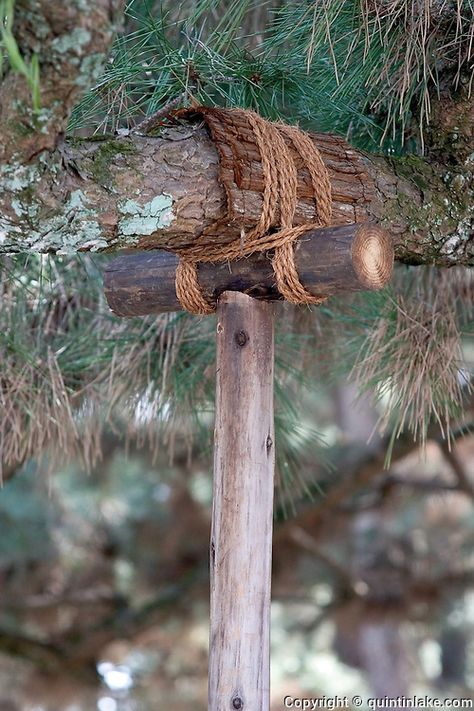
x: 275, y: 229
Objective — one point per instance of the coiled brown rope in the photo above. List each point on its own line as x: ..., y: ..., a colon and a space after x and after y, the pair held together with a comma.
x: 280, y: 183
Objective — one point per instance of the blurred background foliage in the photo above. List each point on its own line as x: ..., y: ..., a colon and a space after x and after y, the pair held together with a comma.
x: 106, y: 424
x: 106, y: 441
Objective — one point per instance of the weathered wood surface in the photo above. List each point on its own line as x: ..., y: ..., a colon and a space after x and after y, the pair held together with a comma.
x: 241, y: 536
x: 329, y: 261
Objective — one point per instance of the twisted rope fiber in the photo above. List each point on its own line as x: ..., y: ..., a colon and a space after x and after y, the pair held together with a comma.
x: 280, y: 183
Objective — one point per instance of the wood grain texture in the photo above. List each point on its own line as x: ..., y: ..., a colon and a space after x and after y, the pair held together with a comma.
x: 330, y: 261
x: 241, y: 535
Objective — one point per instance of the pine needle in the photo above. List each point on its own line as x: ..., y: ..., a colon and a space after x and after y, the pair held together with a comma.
x: 412, y: 359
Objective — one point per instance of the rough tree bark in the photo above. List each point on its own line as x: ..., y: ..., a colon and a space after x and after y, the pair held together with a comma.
x: 140, y: 192
x: 71, y: 41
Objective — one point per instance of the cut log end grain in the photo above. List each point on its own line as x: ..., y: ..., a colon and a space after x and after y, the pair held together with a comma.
x: 372, y: 256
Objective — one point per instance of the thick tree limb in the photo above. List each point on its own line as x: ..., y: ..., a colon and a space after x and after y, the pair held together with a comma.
x: 149, y: 192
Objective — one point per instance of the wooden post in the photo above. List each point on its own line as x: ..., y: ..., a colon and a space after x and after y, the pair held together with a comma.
x: 241, y: 536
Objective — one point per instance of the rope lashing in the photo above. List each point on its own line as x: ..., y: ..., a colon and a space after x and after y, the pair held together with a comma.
x: 274, y: 230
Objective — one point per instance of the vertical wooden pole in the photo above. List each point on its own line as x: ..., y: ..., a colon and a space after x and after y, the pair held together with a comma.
x: 241, y: 536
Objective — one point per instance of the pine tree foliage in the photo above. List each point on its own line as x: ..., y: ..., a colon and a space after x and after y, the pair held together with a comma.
x: 71, y: 369
x: 415, y: 356
x: 363, y: 68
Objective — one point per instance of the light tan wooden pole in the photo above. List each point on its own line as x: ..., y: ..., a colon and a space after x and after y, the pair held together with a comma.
x: 241, y: 536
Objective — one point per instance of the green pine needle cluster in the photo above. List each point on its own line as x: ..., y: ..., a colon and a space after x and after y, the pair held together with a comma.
x: 362, y: 68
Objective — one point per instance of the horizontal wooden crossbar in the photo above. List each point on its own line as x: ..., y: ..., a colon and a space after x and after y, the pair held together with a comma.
x: 330, y: 260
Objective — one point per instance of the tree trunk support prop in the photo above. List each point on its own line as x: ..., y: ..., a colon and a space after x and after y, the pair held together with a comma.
x: 333, y: 260
x: 242, y: 513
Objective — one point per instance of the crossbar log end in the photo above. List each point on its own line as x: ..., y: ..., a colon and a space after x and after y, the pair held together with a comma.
x: 329, y: 261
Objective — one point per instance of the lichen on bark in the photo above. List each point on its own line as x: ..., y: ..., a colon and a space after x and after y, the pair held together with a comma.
x: 429, y: 209
x: 149, y: 192
x: 164, y: 191
x: 70, y: 41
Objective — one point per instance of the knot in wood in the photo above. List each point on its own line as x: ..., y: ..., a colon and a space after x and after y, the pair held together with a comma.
x: 237, y: 703
x: 269, y: 443
x: 241, y: 338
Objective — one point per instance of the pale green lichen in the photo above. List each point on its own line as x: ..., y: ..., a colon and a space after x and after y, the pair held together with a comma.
x: 42, y: 119
x: 17, y: 207
x: 82, y: 5
x: 146, y: 219
x: 15, y: 177
x: 459, y: 244
x: 9, y: 236
x: 72, y: 41
x: 74, y: 227
x: 28, y: 225
x: 444, y: 221
x: 92, y: 67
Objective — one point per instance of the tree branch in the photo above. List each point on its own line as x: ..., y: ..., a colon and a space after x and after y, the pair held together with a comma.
x: 308, y: 543
x: 147, y: 192
x: 45, y: 654
x: 358, y: 470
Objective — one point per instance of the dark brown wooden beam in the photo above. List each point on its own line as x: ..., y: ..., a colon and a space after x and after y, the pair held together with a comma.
x: 331, y: 260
